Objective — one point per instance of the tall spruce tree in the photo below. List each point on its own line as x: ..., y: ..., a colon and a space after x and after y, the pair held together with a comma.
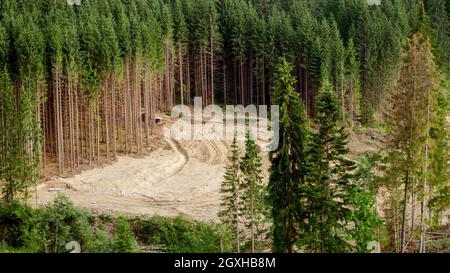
x: 287, y: 173
x: 10, y: 157
x: 230, y: 214
x: 352, y: 92
x: 341, y: 208
x: 253, y: 194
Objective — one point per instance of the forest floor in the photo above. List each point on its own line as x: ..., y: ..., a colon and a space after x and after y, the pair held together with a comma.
x: 173, y: 178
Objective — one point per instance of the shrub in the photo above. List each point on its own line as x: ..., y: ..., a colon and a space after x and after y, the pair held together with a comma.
x: 102, y: 242
x: 61, y: 222
x: 18, y: 227
x: 182, y: 235
x: 124, y: 240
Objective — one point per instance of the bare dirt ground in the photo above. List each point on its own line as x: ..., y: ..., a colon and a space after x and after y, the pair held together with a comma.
x: 176, y: 178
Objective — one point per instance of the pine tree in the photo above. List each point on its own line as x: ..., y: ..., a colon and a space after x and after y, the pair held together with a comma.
x: 181, y: 33
x: 230, y: 214
x: 409, y: 125
x: 287, y: 173
x: 341, y: 208
x: 10, y: 157
x: 352, y: 93
x: 327, y: 175
x: 364, y: 34
x: 439, y: 158
x: 338, y: 68
x: 253, y: 194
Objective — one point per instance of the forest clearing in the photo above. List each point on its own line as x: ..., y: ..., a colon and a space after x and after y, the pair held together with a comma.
x: 176, y: 178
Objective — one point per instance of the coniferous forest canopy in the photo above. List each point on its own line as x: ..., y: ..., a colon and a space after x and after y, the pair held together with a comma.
x: 82, y: 84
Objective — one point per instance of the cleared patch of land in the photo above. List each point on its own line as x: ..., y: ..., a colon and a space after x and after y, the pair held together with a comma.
x: 175, y: 178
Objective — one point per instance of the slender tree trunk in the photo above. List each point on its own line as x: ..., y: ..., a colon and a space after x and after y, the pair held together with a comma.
x: 352, y: 103
x: 241, y: 80
x: 252, y: 219
x: 264, y: 81
x: 113, y: 115
x: 106, y: 114
x: 405, y: 199
x: 422, y: 243
x: 413, y: 205
x: 225, y: 79
x: 212, y: 59
x: 180, y: 73
x: 188, y: 77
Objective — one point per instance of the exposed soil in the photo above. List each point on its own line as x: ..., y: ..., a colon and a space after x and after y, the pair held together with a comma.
x: 175, y: 178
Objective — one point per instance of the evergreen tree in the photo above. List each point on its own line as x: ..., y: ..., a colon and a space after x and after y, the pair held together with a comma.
x: 338, y: 69
x: 327, y: 176
x: 352, y: 92
x: 341, y: 208
x: 409, y: 124
x: 10, y: 157
x: 287, y: 173
x: 439, y: 158
x: 253, y: 194
x: 364, y: 34
x: 231, y: 199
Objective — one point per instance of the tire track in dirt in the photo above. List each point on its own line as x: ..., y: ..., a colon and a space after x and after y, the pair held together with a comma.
x: 182, y: 177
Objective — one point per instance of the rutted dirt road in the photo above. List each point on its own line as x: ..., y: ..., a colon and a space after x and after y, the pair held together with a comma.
x: 180, y: 178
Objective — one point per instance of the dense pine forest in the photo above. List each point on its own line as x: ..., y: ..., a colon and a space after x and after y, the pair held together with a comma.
x: 81, y: 84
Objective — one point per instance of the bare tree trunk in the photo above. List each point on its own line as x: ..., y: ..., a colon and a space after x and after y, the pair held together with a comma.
x: 106, y: 114
x: 113, y: 115
x: 241, y: 82
x: 225, y: 79
x: 212, y: 59
x: 352, y: 102
x: 188, y: 77
x: 405, y: 199
x: 422, y: 243
x: 252, y: 219
x: 264, y: 81
x: 180, y: 72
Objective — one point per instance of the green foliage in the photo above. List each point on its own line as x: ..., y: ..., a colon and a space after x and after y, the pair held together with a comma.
x: 50, y: 228
x: 4, y: 44
x: 17, y: 163
x: 287, y: 173
x: 254, y: 195
x: 18, y: 228
x: 47, y: 229
x: 124, y: 240
x: 413, y: 107
x: 101, y: 242
x: 179, y: 235
x: 341, y: 208
x: 440, y: 22
x: 231, y: 199
x: 439, y: 157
